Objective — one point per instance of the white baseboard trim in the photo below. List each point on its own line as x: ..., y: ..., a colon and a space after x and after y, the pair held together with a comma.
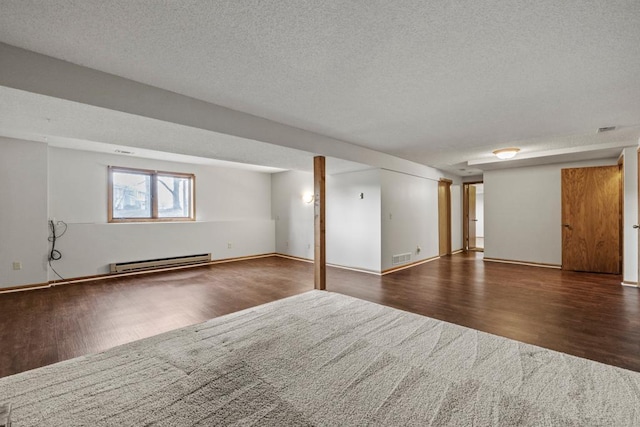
x: 343, y: 267
x: 527, y: 263
x: 105, y: 276
x: 413, y: 264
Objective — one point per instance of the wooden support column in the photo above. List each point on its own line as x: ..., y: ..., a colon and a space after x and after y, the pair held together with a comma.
x: 320, y: 257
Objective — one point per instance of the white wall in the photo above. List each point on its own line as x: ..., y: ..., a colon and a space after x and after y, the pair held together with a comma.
x: 480, y: 214
x: 456, y: 217
x: 23, y: 212
x: 353, y: 223
x: 232, y: 206
x: 630, y: 249
x: 522, y: 212
x: 409, y: 217
x: 293, y: 218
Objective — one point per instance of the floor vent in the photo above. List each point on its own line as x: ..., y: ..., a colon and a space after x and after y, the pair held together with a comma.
x: 125, y: 267
x: 401, y: 259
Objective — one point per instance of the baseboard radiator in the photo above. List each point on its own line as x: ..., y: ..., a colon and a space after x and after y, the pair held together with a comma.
x: 150, y: 264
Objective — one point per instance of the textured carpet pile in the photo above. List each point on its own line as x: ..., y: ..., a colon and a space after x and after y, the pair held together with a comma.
x: 325, y: 359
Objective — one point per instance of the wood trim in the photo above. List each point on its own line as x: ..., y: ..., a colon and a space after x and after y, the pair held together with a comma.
x: 450, y: 181
x: 457, y: 251
x: 630, y: 284
x: 444, y: 217
x: 160, y: 220
x: 109, y: 194
x: 413, y: 264
x: 531, y: 264
x: 465, y: 217
x: 24, y: 287
x: 149, y: 171
x: 319, y: 253
x: 621, y: 214
x: 193, y: 197
x: 154, y: 198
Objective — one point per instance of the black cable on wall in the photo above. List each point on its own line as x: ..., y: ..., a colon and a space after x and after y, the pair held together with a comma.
x: 54, y: 254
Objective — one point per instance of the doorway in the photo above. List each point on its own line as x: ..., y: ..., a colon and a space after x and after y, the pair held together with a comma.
x: 591, y: 216
x: 473, y: 216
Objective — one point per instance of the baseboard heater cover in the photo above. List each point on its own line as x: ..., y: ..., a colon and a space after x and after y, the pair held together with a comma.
x: 150, y: 264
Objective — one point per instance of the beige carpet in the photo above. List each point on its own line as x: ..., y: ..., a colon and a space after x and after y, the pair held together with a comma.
x: 325, y: 359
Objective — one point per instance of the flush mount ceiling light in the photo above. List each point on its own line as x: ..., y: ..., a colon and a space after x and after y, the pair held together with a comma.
x: 506, y: 153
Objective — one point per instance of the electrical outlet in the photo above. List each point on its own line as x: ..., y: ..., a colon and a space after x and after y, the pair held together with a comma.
x: 17, y: 265
x: 229, y: 245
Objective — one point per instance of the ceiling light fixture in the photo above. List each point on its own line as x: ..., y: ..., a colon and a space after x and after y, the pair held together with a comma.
x: 506, y: 153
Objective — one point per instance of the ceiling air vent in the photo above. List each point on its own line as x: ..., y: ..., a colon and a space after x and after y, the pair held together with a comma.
x: 606, y: 129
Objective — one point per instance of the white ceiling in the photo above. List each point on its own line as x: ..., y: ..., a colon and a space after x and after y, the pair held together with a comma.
x: 439, y: 83
x: 73, y: 125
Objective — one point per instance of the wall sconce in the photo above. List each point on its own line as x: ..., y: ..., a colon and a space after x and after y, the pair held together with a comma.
x: 307, y: 197
x: 506, y: 153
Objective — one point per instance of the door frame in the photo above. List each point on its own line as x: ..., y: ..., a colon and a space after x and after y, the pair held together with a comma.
x: 444, y: 217
x: 621, y: 216
x: 465, y: 215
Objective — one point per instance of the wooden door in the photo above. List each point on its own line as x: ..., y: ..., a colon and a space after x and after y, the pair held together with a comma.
x: 591, y: 219
x: 444, y: 217
x: 472, y: 217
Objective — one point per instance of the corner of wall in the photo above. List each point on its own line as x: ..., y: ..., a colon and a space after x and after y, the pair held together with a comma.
x: 23, y: 212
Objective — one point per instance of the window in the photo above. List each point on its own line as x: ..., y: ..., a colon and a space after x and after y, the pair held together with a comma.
x: 145, y: 195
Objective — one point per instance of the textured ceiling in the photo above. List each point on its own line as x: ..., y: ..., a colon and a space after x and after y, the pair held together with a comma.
x: 439, y: 83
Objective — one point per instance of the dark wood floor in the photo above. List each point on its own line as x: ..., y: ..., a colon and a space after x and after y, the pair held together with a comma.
x: 587, y: 315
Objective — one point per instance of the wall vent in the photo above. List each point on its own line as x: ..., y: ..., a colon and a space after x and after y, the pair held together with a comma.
x: 606, y: 129
x: 401, y: 259
x: 150, y: 264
